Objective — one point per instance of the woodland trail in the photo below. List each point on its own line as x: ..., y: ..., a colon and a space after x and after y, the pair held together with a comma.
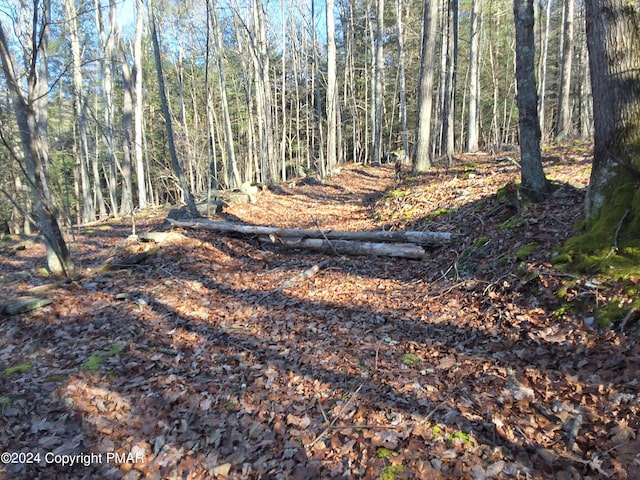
x: 197, y: 364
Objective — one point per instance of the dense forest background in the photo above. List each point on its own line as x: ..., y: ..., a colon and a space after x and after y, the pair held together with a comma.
x: 261, y: 91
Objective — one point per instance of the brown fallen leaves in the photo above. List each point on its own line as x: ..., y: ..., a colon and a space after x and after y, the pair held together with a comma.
x: 194, y: 364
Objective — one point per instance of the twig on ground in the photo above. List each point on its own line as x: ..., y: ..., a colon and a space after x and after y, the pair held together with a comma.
x: 337, y: 417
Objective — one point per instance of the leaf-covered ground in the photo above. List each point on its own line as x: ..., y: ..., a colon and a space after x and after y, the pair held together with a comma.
x: 196, y: 363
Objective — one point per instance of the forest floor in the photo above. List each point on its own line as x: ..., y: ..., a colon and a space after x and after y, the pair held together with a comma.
x: 197, y: 363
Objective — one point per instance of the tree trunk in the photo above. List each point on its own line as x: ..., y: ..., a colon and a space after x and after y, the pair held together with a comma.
x: 542, y: 94
x: 127, y: 131
x: 448, y: 113
x: 332, y: 91
x: 613, y: 199
x: 473, y: 112
x: 139, y: 111
x: 107, y: 39
x: 422, y: 153
x: 402, y: 84
x: 177, y: 166
x: 80, y: 114
x: 563, y: 122
x: 232, y: 165
x: 34, y: 144
x: 534, y: 183
x: 378, y: 85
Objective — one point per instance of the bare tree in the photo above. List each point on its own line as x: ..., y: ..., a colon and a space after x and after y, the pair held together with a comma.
x: 378, y: 93
x: 332, y: 91
x: 232, y: 165
x: 138, y: 109
x: 166, y: 112
x: 30, y: 114
x: 80, y: 112
x: 108, y: 39
x: 422, y: 153
x: 563, y: 123
x: 402, y: 81
x: 473, y: 111
x: 534, y: 182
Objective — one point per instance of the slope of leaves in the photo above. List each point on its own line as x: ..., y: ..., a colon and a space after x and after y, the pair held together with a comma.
x: 195, y: 364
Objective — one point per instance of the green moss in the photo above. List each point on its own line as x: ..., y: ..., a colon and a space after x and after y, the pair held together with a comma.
x: 396, y: 193
x: 438, y: 213
x: 391, y: 472
x: 117, y: 348
x: 23, y: 368
x: 97, y: 359
x: 93, y: 363
x: 526, y: 251
x: 463, y: 437
x: 482, y: 241
x: 511, y: 223
x: 560, y: 311
x: 436, y: 432
x: 410, y: 359
x: 55, y: 378
x: 5, y: 401
x: 384, y: 453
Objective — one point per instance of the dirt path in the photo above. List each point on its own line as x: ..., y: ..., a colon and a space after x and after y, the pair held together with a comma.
x: 197, y: 364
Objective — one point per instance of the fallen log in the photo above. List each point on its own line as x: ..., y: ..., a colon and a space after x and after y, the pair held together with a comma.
x: 413, y: 237
x: 23, y: 305
x: 404, y: 250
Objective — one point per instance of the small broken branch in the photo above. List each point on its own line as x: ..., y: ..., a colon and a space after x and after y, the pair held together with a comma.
x: 620, y: 224
x: 308, y: 273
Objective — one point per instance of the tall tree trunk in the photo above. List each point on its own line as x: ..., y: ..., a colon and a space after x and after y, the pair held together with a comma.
x: 139, y: 110
x: 80, y: 113
x: 177, y: 166
x: 563, y: 122
x: 586, y: 103
x: 473, y: 111
x: 378, y: 85
x: 332, y: 91
x: 422, y: 152
x: 448, y: 114
x: 107, y: 39
x: 232, y: 165
x: 402, y: 83
x: 613, y: 198
x: 128, y: 92
x: 542, y: 93
x: 32, y: 124
x: 263, y: 91
x: 534, y: 182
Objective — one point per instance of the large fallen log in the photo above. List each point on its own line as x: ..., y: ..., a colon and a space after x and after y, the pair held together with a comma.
x: 412, y: 237
x: 404, y: 250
